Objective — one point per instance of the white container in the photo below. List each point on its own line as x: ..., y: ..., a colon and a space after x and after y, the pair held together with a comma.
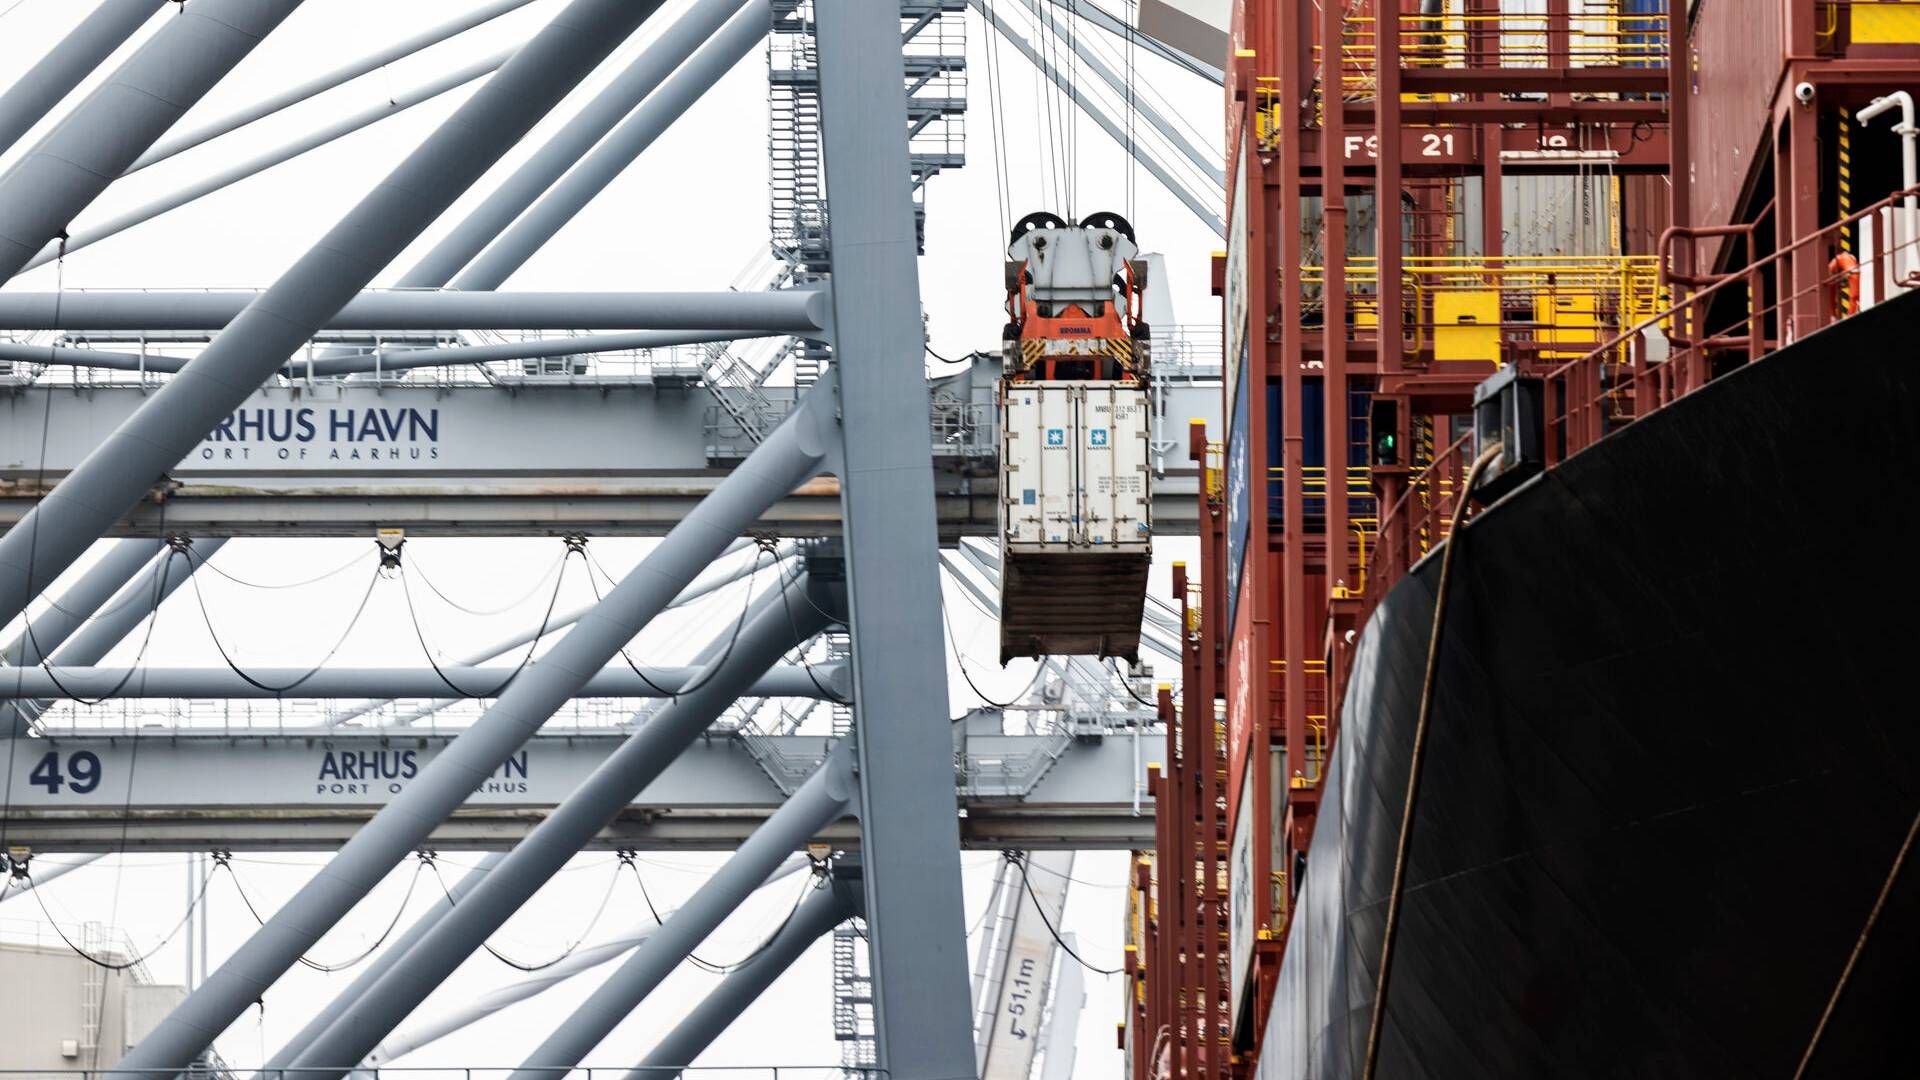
x: 1076, y: 517
x: 1075, y: 466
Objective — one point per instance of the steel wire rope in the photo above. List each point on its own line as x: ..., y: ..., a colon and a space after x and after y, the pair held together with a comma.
x: 1859, y: 946
x: 712, y: 670
x: 221, y: 859
x: 200, y: 597
x: 996, y: 116
x: 585, y: 933
x: 813, y: 881
x: 1404, y: 845
x: 551, y: 570
x: 133, y: 961
x: 207, y: 564
x: 1019, y: 858
x: 546, y: 619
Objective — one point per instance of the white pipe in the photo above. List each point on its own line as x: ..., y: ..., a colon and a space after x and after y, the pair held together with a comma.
x: 1909, y: 170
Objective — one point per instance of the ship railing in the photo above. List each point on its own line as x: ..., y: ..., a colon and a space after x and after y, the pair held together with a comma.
x: 1420, y: 516
x: 1506, y: 39
x: 1552, y: 306
x: 1670, y: 354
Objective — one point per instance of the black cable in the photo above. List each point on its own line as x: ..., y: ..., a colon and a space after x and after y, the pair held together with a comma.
x: 420, y: 633
x: 793, y: 626
x: 706, y: 965
x: 585, y: 933
x: 1127, y: 684
x: 139, y: 658
x: 111, y: 965
x: 1021, y: 861
x: 953, y: 644
x: 558, y: 564
x: 221, y: 860
x: 963, y: 360
x: 207, y: 564
x: 201, y: 598
x: 712, y: 670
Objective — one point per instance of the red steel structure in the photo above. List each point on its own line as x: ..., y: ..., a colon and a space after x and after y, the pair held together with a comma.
x: 1730, y: 177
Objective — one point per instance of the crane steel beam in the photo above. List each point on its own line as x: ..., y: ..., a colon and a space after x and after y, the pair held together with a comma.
x: 411, y: 1038
x: 916, y: 925
x: 307, y: 790
x: 115, y: 620
x: 716, y: 577
x: 574, y: 139
x: 826, y: 796
x: 827, y: 906
x: 204, y: 185
x: 1132, y: 35
x: 34, y: 94
x: 43, y: 634
x: 1203, y: 210
x: 8, y: 888
x: 115, y: 476
x: 112, y: 683
x: 103, y: 134
x: 384, y: 360
x: 267, y: 106
x: 791, y: 453
x: 769, y: 633
x: 619, y: 149
x: 1206, y: 162
x: 785, y: 311
x: 383, y: 962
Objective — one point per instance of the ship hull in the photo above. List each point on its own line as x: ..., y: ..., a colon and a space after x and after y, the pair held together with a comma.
x: 1674, y: 751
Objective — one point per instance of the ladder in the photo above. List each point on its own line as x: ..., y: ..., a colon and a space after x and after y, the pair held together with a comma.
x: 934, y: 39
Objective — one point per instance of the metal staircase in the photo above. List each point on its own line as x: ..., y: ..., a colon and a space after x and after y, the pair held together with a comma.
x: 853, y: 1000
x: 934, y: 39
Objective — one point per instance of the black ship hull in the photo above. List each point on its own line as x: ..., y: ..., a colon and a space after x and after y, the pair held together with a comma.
x: 1674, y: 751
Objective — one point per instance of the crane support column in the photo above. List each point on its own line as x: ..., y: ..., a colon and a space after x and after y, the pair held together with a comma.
x: 910, y: 831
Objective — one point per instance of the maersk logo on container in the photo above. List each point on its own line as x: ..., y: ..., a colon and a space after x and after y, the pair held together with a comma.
x: 311, y: 434
x: 1056, y: 436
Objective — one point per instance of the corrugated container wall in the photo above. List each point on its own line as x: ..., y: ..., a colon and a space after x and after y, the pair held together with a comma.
x: 1738, y: 51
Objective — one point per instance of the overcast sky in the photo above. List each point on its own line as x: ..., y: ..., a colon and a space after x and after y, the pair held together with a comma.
x: 691, y: 214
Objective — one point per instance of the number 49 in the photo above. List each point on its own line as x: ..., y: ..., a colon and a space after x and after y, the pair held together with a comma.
x: 83, y: 772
